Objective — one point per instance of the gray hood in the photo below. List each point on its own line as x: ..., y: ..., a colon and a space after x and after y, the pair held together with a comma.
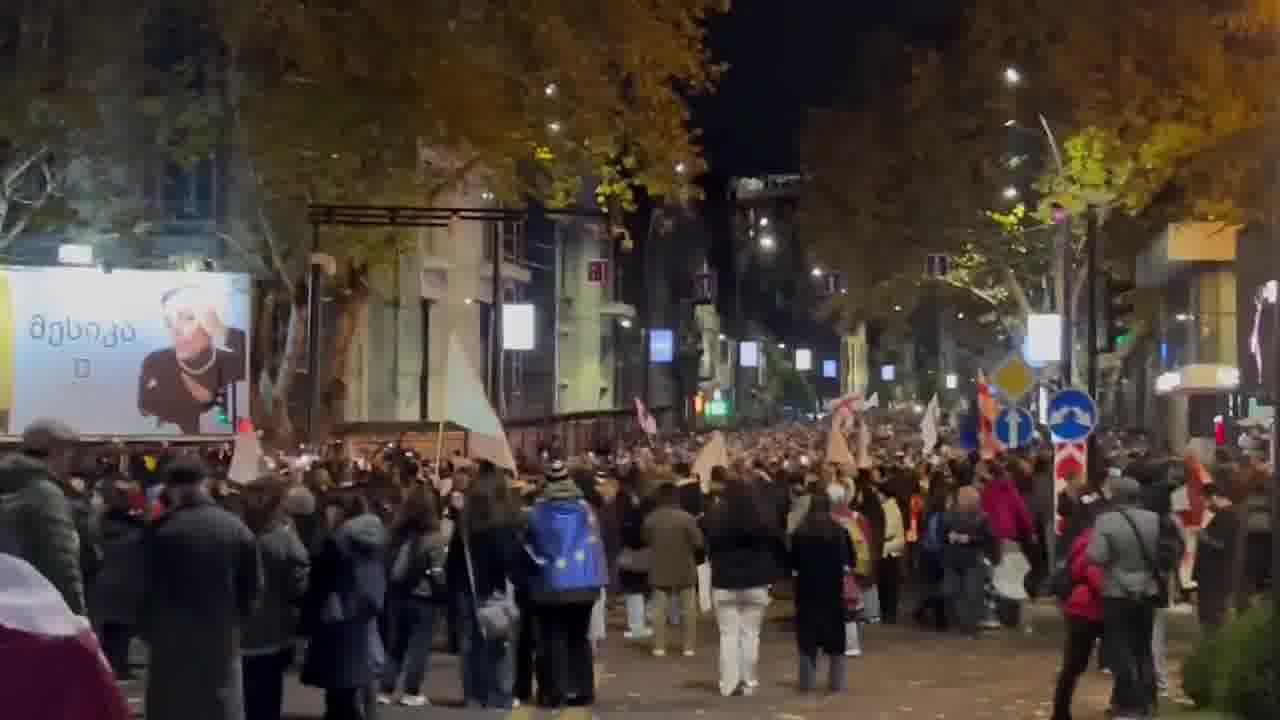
x: 1124, y: 490
x: 363, y: 534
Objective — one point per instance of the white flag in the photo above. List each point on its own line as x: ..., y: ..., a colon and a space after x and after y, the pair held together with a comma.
x: 929, y: 424
x: 873, y: 401
x: 712, y: 454
x: 838, y: 449
x: 246, y: 458
x: 864, y: 443
x: 465, y: 404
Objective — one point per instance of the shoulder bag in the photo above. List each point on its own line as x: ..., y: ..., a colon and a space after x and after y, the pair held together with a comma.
x: 1159, y: 598
x: 497, y: 614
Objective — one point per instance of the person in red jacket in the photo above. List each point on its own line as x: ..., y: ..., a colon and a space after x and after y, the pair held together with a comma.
x: 1083, y: 612
x: 51, y: 667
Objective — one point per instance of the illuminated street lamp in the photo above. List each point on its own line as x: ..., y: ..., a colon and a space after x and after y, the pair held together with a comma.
x: 767, y: 242
x: 816, y: 272
x: 681, y: 168
x: 764, y: 222
x: 554, y: 127
x: 1011, y: 193
x: 1012, y: 76
x: 551, y: 90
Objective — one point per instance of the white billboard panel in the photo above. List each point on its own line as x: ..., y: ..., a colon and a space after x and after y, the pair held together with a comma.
x: 129, y: 352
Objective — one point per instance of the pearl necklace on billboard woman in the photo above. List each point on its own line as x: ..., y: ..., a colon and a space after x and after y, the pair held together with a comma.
x: 178, y: 384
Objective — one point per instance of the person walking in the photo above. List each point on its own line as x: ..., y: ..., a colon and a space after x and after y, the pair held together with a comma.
x: 417, y: 593
x: 569, y: 570
x: 1083, y: 611
x: 745, y: 541
x: 116, y: 594
x: 269, y: 632
x: 822, y: 557
x: 36, y: 523
x: 969, y: 543
x: 202, y: 581
x: 1124, y: 543
x: 675, y: 543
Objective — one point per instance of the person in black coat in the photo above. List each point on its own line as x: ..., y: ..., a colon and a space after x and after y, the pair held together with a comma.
x: 344, y: 599
x: 821, y: 556
x: 633, y: 505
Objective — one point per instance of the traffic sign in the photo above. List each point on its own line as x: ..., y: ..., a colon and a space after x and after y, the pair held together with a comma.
x: 1072, y: 415
x: 1014, y: 377
x: 1069, y: 459
x: 1015, y: 428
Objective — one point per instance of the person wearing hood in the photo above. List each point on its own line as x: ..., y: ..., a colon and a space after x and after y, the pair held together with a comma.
x: 53, y: 667
x: 568, y: 571
x: 1125, y: 544
x: 202, y: 579
x: 36, y: 522
x: 340, y: 612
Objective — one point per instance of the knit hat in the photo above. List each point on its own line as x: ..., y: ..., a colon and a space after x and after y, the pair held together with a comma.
x: 557, y: 471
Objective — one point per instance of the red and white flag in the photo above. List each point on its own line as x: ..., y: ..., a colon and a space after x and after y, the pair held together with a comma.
x: 988, y: 445
x: 646, y: 420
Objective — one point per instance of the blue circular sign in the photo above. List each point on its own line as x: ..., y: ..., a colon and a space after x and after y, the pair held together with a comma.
x: 1072, y: 415
x: 1015, y: 428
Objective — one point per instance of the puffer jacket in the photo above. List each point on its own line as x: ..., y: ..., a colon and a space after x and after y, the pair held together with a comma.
x: 285, y: 564
x: 36, y: 514
x: 1085, y: 601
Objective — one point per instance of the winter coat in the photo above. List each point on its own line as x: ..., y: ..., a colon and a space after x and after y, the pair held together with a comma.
x: 1085, y: 601
x: 819, y: 564
x: 496, y: 556
x: 744, y: 557
x: 895, y: 533
x: 632, y: 511
x: 202, y: 583
x: 344, y: 599
x: 674, y: 541
x: 417, y: 565
x: 1007, y: 511
x: 34, y: 510
x: 285, y: 564
x: 963, y: 556
x: 1114, y: 544
x: 116, y: 593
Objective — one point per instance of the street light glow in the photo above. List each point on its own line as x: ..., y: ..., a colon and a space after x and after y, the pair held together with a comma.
x: 767, y: 242
x: 1012, y: 75
x: 897, y: 308
x: 816, y: 272
x: 764, y: 222
x: 625, y: 323
x: 554, y: 127
x: 551, y: 90
x: 681, y: 168
x: 1011, y: 193
x: 959, y: 316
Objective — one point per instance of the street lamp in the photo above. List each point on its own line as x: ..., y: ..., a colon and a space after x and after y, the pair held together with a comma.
x: 816, y: 272
x: 551, y: 90
x: 767, y: 242
x: 681, y: 168
x: 764, y: 222
x: 1012, y: 76
x: 554, y: 127
x: 1011, y: 193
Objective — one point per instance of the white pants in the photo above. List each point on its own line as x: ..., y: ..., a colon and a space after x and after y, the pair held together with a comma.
x: 1160, y: 650
x: 871, y: 604
x: 739, y: 613
x: 852, y: 639
x: 597, y: 630
x: 637, y: 619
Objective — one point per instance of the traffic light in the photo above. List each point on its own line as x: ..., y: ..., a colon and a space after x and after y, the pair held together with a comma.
x: 222, y: 406
x: 1118, y: 307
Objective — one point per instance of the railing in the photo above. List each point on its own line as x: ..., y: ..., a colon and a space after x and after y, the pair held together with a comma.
x: 576, y: 433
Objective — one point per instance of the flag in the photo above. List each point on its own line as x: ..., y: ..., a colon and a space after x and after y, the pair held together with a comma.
x: 843, y: 410
x: 838, y: 449
x: 465, y: 404
x: 246, y: 458
x: 929, y: 424
x: 988, y: 446
x: 646, y: 420
x: 873, y: 401
x: 712, y: 454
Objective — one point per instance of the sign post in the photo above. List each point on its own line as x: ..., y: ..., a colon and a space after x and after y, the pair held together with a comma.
x: 1015, y: 428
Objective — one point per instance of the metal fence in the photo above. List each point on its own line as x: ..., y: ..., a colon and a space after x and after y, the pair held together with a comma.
x: 576, y: 433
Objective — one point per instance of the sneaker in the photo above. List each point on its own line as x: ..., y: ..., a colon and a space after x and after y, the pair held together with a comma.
x: 384, y: 699
x: 853, y: 653
x: 414, y: 701
x: 659, y: 652
x: 689, y: 653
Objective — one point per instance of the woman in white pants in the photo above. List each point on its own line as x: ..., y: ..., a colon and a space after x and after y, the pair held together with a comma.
x: 747, y: 547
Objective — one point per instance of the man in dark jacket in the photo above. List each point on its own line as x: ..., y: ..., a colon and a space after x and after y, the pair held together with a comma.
x: 202, y: 579
x: 36, y: 523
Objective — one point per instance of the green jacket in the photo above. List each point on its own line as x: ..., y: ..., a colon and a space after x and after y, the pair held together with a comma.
x: 36, y: 518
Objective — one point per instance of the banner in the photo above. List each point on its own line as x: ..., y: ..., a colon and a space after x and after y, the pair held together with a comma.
x: 466, y: 405
x: 127, y: 352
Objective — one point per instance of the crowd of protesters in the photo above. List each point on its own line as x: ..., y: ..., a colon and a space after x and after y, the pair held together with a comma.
x: 355, y: 567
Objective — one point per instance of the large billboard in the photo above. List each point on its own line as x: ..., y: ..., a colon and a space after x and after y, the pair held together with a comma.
x: 128, y: 352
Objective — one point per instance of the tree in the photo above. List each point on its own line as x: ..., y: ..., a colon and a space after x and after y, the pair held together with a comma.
x: 368, y: 103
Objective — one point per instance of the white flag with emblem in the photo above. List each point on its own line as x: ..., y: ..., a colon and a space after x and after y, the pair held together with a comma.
x: 929, y: 424
x: 465, y: 404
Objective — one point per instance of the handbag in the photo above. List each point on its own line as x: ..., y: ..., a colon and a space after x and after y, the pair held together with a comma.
x: 496, y: 615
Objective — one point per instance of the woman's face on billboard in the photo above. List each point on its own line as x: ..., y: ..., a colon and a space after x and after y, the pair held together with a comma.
x: 189, y: 336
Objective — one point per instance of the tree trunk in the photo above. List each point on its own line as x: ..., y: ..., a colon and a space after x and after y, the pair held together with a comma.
x: 350, y: 319
x: 279, y: 424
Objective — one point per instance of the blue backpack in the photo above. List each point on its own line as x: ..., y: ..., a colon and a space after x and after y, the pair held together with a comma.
x: 564, y: 543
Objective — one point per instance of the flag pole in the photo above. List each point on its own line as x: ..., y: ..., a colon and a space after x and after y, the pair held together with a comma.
x: 439, y: 446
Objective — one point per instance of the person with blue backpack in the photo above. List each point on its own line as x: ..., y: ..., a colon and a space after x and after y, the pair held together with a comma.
x: 569, y: 569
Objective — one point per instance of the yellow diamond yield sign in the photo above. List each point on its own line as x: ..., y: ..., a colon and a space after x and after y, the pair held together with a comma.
x: 1014, y: 377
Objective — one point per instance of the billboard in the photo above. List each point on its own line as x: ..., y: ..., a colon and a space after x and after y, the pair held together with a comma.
x: 128, y: 352
x: 829, y: 369
x: 518, y: 328
x: 749, y: 354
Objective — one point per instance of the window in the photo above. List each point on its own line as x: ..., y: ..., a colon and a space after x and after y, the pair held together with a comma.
x: 510, y: 233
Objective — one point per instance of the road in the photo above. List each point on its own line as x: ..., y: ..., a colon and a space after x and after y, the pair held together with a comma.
x: 907, y: 674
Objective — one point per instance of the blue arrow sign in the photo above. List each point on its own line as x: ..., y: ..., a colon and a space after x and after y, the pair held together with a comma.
x: 1072, y: 415
x: 1015, y: 428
